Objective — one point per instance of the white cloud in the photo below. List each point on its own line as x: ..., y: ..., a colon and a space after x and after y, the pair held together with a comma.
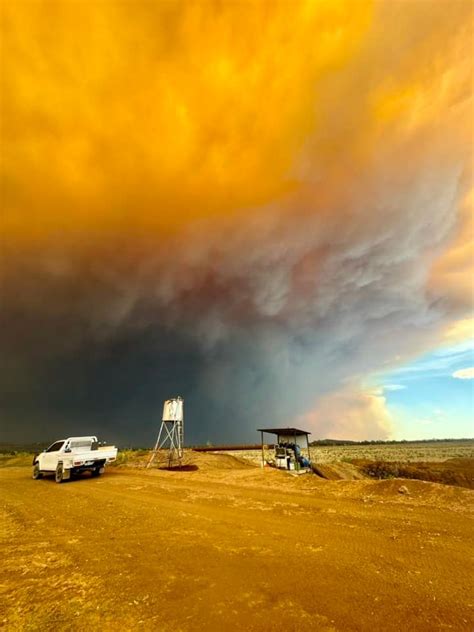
x: 439, y: 363
x: 464, y: 374
x: 393, y: 387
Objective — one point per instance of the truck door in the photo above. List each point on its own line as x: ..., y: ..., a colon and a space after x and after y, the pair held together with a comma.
x: 50, y: 457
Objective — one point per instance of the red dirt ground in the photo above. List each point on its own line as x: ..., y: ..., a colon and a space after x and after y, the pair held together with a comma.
x: 231, y: 546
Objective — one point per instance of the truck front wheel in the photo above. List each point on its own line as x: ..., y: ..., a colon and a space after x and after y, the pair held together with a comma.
x: 59, y: 476
x: 36, y: 471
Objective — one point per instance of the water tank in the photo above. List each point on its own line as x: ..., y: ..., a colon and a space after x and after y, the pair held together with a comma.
x: 173, y: 409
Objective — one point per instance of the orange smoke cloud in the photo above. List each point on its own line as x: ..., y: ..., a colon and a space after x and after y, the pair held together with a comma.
x: 453, y: 273
x: 157, y: 114
x: 154, y: 115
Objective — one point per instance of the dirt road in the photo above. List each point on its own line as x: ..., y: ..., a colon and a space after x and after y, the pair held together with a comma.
x: 231, y: 547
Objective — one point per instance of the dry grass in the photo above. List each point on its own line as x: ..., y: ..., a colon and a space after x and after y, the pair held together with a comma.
x: 14, y: 460
x: 407, y: 452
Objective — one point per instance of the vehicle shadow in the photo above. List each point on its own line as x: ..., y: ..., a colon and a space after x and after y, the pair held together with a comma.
x: 86, y: 476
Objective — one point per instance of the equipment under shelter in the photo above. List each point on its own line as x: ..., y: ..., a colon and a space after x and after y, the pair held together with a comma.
x: 289, y: 449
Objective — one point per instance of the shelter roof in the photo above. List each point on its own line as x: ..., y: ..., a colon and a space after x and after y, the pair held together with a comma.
x: 291, y: 432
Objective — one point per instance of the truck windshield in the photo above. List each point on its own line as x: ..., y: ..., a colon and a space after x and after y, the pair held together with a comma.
x: 55, y: 447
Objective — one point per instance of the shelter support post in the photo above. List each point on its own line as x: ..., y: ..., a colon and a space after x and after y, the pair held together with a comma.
x: 263, y: 451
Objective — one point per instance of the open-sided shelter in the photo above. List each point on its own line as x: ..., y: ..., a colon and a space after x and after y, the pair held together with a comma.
x: 287, y: 437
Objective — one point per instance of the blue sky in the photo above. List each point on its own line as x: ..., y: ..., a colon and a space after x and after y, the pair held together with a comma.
x: 427, y: 400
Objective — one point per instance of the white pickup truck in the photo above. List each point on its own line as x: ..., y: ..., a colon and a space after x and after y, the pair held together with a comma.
x: 72, y: 456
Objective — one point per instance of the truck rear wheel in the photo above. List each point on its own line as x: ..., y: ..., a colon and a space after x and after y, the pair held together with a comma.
x: 97, y: 471
x: 37, y: 472
x: 59, y: 475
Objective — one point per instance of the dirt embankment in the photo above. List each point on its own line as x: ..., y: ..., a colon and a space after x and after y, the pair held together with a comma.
x: 339, y: 471
x: 449, y: 463
x: 229, y: 545
x: 458, y: 472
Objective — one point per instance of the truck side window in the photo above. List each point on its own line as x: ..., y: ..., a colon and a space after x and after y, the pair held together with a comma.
x: 55, y: 447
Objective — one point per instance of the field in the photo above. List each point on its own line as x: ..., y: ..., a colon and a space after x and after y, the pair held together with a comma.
x: 227, y: 545
x: 404, y: 452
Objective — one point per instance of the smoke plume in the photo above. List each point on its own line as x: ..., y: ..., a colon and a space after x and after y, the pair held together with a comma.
x: 256, y: 207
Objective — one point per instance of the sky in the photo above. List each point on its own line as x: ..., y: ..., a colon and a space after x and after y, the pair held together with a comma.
x: 265, y: 208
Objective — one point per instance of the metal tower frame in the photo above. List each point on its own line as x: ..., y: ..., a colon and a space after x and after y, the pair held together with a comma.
x: 171, y: 434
